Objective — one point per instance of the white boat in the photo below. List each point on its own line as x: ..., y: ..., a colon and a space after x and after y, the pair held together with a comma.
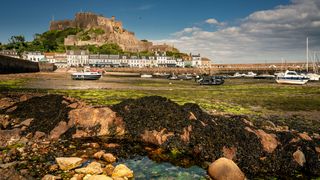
x: 86, y: 76
x: 291, y: 77
x: 146, y: 75
x: 250, y: 74
x: 237, y: 75
x: 313, y: 76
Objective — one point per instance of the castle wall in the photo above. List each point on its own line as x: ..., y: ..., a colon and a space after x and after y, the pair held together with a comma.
x: 61, y: 25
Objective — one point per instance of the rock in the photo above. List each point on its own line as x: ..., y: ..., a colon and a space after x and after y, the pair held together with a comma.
x: 92, y: 168
x: 299, y: 157
x: 68, y: 163
x: 6, y: 102
x: 91, y: 121
x: 8, y: 174
x: 111, y: 145
x: 99, y: 177
x: 77, y: 177
x: 8, y: 165
x: 225, y: 169
x: 53, y: 167
x: 108, y: 157
x: 229, y: 153
x: 155, y: 137
x: 8, y: 137
x: 39, y: 135
x: 108, y: 169
x: 87, y: 176
x: 4, y: 121
x: 26, y: 122
x: 268, y: 141
x: 192, y: 116
x: 98, y: 155
x: 249, y: 123
x: 25, y: 97
x: 185, y: 137
x: 317, y: 149
x: 94, y: 145
x: 50, y: 177
x: 305, y: 136
x: 121, y: 171
x: 60, y: 129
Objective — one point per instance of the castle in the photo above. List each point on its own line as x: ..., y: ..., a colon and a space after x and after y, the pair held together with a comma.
x: 113, y: 32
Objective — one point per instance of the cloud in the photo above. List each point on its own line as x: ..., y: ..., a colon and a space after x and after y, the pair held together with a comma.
x: 261, y: 36
x: 213, y: 21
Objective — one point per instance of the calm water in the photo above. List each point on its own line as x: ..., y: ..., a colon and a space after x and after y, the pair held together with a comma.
x: 144, y: 168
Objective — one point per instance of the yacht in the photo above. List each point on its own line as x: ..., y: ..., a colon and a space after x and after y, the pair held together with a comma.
x: 291, y: 77
x: 86, y: 76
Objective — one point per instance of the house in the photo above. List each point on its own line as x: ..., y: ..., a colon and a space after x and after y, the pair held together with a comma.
x: 34, y: 56
x: 196, y: 60
x: 60, y: 60
x: 205, y: 63
x: 77, y: 57
x: 180, y: 63
x: 11, y: 53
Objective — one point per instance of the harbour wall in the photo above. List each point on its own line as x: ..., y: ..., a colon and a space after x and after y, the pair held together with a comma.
x: 219, y: 69
x: 10, y: 65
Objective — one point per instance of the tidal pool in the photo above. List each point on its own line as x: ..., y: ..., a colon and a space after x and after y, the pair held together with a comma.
x: 144, y: 168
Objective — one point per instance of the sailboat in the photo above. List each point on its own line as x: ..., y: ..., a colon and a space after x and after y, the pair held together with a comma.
x: 312, y: 76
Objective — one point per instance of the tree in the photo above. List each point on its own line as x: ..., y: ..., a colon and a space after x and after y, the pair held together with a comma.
x: 16, y: 39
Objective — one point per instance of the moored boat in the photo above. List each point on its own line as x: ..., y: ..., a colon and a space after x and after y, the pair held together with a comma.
x: 291, y: 77
x: 86, y: 76
x: 146, y: 76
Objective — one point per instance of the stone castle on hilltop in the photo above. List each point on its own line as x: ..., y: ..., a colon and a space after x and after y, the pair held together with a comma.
x: 113, y: 32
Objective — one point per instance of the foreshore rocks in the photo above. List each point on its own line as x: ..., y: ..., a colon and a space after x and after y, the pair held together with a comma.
x: 166, y: 131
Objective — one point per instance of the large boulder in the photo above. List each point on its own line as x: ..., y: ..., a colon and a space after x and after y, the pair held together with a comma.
x: 90, y: 121
x: 68, y: 163
x: 122, y: 171
x: 225, y: 169
x: 92, y: 168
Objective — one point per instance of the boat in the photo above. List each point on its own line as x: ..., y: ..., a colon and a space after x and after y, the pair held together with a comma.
x: 291, y: 77
x: 313, y: 76
x: 185, y: 76
x: 173, y: 77
x: 86, y: 76
x: 211, y: 80
x: 250, y: 74
x: 237, y: 75
x: 146, y: 75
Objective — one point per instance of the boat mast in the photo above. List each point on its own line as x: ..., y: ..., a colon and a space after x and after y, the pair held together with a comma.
x: 307, y: 54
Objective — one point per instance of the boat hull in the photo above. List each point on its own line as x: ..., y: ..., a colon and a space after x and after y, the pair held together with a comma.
x: 86, y: 77
x: 289, y: 81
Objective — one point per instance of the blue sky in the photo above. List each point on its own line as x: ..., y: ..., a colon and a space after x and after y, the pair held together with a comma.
x: 187, y: 24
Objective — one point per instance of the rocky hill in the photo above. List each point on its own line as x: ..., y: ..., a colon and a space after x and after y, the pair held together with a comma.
x: 99, y: 30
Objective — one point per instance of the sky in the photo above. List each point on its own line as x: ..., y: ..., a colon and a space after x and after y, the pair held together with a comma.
x: 226, y: 31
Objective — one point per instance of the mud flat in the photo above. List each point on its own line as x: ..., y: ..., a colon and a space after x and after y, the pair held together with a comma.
x: 37, y: 128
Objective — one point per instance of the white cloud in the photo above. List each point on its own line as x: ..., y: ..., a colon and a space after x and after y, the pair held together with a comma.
x: 262, y: 36
x: 213, y: 21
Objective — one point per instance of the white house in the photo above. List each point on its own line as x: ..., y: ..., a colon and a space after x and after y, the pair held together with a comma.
x: 33, y: 56
x: 180, y: 63
x: 196, y: 60
x: 77, y: 57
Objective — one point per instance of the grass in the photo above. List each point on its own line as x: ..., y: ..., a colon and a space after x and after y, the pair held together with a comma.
x: 236, y: 96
